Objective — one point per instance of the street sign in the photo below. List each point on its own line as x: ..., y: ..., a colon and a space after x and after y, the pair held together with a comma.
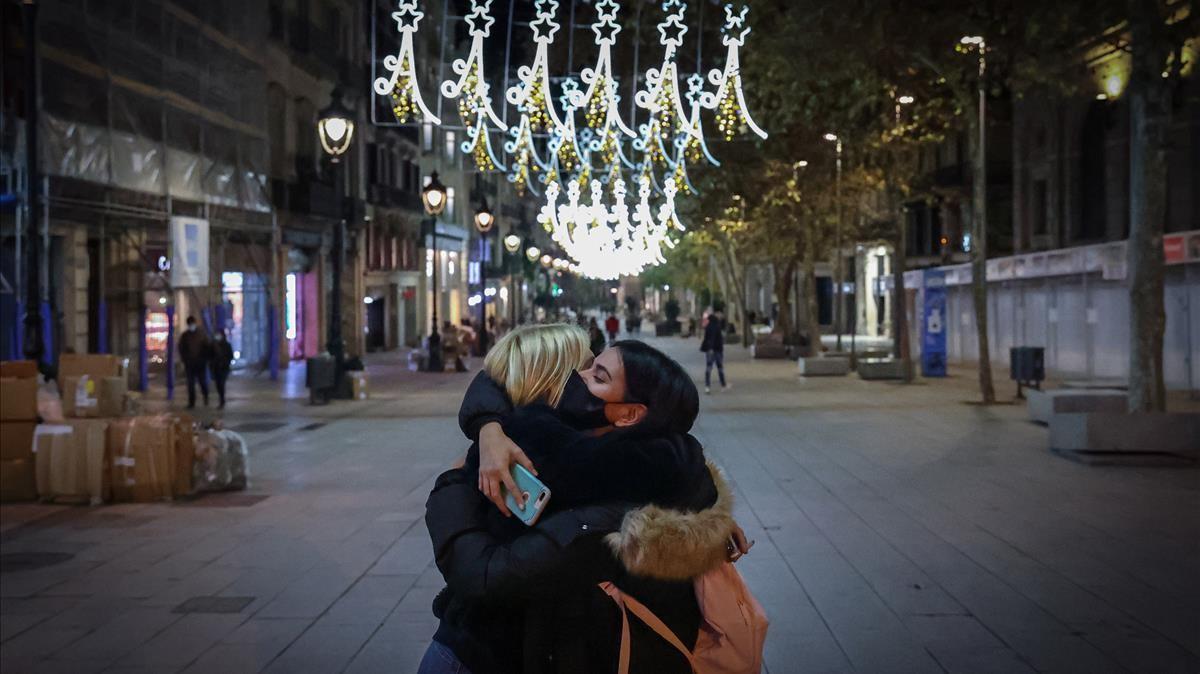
x: 933, y: 327
x: 189, y: 252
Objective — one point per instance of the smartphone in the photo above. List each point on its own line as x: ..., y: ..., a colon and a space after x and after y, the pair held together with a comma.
x: 536, y: 494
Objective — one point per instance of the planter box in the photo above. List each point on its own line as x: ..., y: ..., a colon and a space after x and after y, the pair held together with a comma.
x: 881, y: 368
x: 1093, y: 433
x: 1045, y: 404
x: 770, y: 350
x: 824, y: 367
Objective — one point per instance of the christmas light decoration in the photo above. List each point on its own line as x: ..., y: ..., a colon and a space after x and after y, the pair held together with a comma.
x: 600, y: 101
x: 532, y: 94
x: 479, y: 145
x: 471, y: 90
x: 729, y: 101
x: 564, y: 144
x: 695, y: 148
x: 525, y: 159
x: 661, y: 97
x: 401, y: 84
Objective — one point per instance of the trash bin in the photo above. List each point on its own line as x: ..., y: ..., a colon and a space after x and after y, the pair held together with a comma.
x: 320, y: 377
x: 1026, y: 366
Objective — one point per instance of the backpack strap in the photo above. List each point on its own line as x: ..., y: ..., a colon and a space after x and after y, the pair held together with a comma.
x: 628, y: 604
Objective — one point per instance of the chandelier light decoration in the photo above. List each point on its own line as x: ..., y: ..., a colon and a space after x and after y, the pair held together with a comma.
x: 401, y: 85
x: 575, y: 146
x: 474, y: 102
x: 729, y: 101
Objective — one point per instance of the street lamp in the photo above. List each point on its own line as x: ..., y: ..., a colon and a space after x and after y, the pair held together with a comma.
x: 484, y: 221
x: 335, y: 129
x: 433, y: 196
x: 838, y: 310
x: 533, y: 253
x: 512, y: 243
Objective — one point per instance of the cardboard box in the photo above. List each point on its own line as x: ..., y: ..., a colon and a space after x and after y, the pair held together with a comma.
x: 185, y: 454
x: 19, y: 369
x: 102, y: 397
x: 18, y: 399
x: 142, y: 450
x: 98, y: 365
x: 16, y: 440
x: 358, y: 385
x: 71, y: 464
x: 16, y: 480
x: 80, y: 395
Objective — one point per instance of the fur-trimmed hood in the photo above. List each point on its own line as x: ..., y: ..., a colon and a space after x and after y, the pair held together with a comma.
x: 669, y: 544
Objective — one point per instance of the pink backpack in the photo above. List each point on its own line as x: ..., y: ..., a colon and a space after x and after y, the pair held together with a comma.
x: 733, y: 625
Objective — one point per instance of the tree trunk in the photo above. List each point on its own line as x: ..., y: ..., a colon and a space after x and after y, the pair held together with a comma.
x: 979, y: 254
x: 901, y: 348
x: 783, y: 295
x: 1149, y: 118
x: 738, y: 276
x: 812, y: 321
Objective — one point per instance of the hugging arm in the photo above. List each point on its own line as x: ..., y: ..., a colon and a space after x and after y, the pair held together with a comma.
x: 484, y: 404
x: 477, y: 564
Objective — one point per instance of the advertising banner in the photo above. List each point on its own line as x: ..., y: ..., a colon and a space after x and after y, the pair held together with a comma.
x: 189, y: 252
x: 933, y: 325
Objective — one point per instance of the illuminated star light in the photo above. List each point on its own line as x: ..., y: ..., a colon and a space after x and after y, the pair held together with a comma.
x: 471, y: 86
x: 661, y: 97
x: 401, y: 83
x: 729, y: 101
x: 532, y: 94
x: 601, y: 98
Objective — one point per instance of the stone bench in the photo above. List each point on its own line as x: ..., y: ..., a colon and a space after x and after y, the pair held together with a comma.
x: 1044, y: 404
x: 769, y: 350
x: 881, y: 368
x: 1093, y: 434
x: 824, y: 366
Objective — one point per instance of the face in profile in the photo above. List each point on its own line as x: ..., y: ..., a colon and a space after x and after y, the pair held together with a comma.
x: 605, y: 376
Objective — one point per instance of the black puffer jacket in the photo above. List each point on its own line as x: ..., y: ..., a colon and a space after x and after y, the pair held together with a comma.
x: 527, y: 600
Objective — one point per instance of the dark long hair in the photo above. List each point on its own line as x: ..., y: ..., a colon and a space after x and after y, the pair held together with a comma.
x: 655, y: 380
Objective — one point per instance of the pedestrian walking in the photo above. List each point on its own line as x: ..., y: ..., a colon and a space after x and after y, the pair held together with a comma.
x: 221, y: 364
x: 595, y: 337
x: 612, y: 325
x: 713, y: 347
x: 194, y: 352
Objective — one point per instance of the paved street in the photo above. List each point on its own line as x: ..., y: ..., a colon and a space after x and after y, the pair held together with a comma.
x: 898, y: 529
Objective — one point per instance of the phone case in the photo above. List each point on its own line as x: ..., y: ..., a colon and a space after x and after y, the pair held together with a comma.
x: 537, y: 495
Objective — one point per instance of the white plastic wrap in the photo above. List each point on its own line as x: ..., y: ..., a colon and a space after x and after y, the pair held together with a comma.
x: 222, y: 462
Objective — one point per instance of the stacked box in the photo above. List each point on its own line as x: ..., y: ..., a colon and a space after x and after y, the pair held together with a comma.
x: 72, y: 464
x: 151, y: 457
x: 18, y: 419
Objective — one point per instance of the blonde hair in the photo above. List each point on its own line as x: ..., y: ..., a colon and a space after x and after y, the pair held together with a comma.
x: 533, y: 362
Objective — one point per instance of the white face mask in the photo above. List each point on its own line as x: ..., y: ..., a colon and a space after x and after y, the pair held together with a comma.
x: 191, y: 328
x: 220, y: 337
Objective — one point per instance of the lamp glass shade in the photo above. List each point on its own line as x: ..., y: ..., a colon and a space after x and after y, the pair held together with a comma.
x: 533, y: 253
x: 434, y: 195
x: 512, y: 243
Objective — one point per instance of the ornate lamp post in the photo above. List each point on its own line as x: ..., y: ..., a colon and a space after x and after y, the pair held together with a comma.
x: 434, y: 198
x: 838, y: 309
x: 484, y: 221
x: 512, y: 248
x: 335, y: 129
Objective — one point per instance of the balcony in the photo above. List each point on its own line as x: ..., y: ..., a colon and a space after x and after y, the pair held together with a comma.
x: 305, y: 197
x: 392, y: 197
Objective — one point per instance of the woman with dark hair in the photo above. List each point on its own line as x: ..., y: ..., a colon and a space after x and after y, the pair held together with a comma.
x: 633, y: 503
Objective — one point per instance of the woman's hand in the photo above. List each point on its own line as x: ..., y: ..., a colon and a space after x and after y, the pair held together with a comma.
x: 738, y: 545
x: 497, y: 454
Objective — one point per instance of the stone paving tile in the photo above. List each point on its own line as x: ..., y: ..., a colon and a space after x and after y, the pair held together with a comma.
x: 324, y: 647
x: 897, y: 530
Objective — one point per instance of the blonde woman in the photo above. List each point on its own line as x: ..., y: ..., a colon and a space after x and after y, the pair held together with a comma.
x: 634, y: 504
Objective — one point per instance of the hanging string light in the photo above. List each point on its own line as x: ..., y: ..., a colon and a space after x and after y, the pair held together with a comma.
x: 525, y: 159
x: 733, y: 117
x: 600, y: 101
x: 661, y: 97
x: 472, y: 92
x: 532, y: 94
x: 401, y: 83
